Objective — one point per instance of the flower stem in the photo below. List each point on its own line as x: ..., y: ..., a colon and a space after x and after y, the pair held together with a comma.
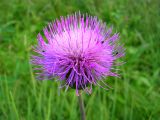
x: 81, y: 105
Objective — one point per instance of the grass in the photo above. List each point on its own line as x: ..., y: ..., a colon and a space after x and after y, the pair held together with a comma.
x: 136, y: 95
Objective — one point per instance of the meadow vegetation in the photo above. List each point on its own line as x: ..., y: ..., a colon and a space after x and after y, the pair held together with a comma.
x: 135, y: 95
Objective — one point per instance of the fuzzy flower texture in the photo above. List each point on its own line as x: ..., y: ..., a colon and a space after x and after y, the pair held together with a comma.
x: 79, y: 50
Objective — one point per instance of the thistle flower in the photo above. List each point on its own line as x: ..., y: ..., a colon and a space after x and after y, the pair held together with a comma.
x: 80, y: 50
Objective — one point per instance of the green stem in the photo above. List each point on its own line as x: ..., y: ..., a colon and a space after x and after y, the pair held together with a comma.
x: 81, y: 105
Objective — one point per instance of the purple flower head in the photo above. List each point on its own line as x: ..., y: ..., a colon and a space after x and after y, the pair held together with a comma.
x: 79, y: 49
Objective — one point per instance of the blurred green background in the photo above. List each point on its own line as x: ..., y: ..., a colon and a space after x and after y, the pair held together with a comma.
x: 135, y: 96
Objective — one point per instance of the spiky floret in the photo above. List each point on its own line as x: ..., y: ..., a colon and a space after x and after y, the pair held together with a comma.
x: 80, y: 50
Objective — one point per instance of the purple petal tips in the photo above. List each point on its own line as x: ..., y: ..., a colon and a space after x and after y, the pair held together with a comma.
x: 79, y: 50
